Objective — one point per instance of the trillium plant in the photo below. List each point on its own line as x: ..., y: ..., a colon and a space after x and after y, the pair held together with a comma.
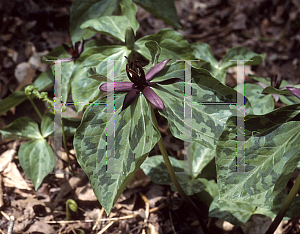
x: 240, y: 151
x: 141, y: 83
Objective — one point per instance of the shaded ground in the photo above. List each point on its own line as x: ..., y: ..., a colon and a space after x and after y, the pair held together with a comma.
x: 37, y: 26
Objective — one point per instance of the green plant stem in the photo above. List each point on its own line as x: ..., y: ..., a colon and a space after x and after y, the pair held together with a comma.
x: 35, y: 108
x: 175, y: 181
x: 65, y: 146
x: 70, y: 205
x: 285, y: 206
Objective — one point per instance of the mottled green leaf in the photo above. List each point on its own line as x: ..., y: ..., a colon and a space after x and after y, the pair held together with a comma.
x: 200, y: 157
x: 271, y: 155
x: 236, y: 213
x: 241, y: 53
x: 173, y: 45
x: 155, y: 168
x: 85, y: 89
x: 155, y: 51
x: 37, y: 160
x: 22, y: 128
x: 289, y: 100
x: 47, y: 125
x: 219, y: 74
x: 135, y: 136
x: 203, y: 52
x: 82, y: 11
x: 210, y: 104
x: 115, y: 26
x: 261, y: 103
x: 164, y: 10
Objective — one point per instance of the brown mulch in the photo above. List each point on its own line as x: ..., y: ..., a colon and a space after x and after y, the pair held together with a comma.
x: 31, y: 28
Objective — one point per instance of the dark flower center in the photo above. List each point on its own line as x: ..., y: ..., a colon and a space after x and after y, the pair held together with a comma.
x: 136, y: 74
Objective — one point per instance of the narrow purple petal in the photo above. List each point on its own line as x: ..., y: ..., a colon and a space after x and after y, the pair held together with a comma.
x: 294, y: 91
x: 80, y: 47
x: 129, y: 98
x: 156, y: 69
x: 119, y: 86
x: 153, y: 98
x: 68, y: 49
x: 166, y: 82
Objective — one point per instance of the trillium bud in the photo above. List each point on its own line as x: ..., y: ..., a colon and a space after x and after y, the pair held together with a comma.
x: 129, y: 38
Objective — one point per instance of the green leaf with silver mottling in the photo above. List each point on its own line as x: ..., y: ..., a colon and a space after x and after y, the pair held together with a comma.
x: 211, y: 104
x: 241, y: 53
x: 115, y: 26
x: 85, y: 89
x: 37, y: 160
x: 47, y: 125
x: 164, y: 10
x: 22, y: 128
x: 200, y: 157
x: 219, y: 74
x: 155, y: 51
x: 155, y: 168
x: 238, y: 213
x: 82, y: 11
x: 289, y: 100
x: 261, y: 104
x: 135, y: 136
x: 173, y: 46
x: 203, y: 52
x: 92, y: 73
x: 271, y: 155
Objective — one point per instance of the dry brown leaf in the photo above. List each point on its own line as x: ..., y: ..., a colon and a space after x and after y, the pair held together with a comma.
x: 86, y: 193
x: 6, y: 158
x: 13, y: 178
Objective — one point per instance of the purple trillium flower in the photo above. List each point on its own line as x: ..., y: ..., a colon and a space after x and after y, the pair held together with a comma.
x: 76, y: 51
x: 276, y: 81
x: 140, y: 82
x: 294, y: 91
